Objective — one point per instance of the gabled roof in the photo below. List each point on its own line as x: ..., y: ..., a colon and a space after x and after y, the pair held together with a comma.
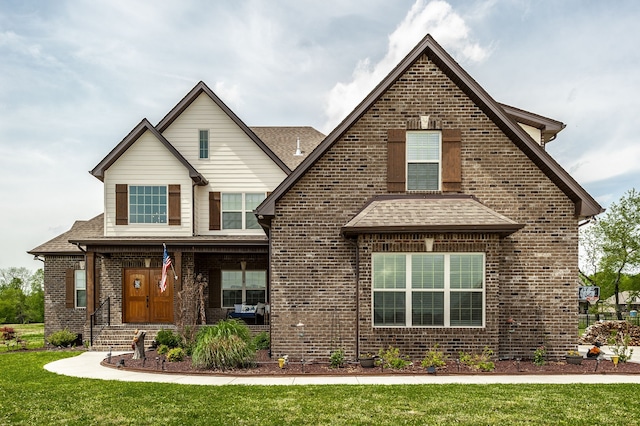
x: 130, y: 139
x: 283, y: 142
x: 585, y: 205
x: 81, y: 229
x: 200, y: 88
x: 386, y: 214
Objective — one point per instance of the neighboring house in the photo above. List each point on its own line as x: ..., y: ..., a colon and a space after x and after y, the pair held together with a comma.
x: 432, y: 215
x: 192, y: 182
x: 628, y: 301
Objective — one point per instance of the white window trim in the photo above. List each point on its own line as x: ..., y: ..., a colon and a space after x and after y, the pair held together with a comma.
x: 447, y: 291
x: 243, y: 211
x: 208, y: 144
x: 76, y: 289
x: 244, y: 285
x: 407, y: 162
x: 165, y: 223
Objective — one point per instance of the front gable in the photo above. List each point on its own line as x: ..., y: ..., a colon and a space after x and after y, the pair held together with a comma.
x: 147, y: 165
x: 429, y: 72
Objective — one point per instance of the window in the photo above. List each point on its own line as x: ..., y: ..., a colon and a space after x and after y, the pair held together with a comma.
x: 204, y: 144
x: 248, y: 287
x: 423, y: 160
x: 237, y: 210
x: 80, y: 288
x: 428, y: 290
x: 147, y: 204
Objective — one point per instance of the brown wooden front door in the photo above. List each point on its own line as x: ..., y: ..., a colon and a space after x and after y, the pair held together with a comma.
x: 143, y: 300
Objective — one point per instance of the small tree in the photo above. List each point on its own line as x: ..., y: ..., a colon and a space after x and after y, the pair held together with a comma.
x: 611, y: 246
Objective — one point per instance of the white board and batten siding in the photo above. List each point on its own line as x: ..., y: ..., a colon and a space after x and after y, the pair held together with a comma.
x: 147, y: 162
x: 235, y: 163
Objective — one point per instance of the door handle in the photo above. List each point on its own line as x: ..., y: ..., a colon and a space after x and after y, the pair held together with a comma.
x: 147, y: 301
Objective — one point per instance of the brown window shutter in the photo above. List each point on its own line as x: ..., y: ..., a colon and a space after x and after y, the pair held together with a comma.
x: 122, y: 204
x: 214, y: 211
x: 70, y: 299
x: 451, y: 160
x: 396, y: 160
x: 215, y: 289
x: 174, y: 205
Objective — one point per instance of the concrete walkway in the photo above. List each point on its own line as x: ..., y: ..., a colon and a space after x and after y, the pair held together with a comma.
x: 87, y: 365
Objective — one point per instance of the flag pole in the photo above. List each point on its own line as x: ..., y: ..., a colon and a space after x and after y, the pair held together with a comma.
x: 175, y: 276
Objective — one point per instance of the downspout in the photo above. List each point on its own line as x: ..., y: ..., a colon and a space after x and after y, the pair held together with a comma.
x: 193, y: 209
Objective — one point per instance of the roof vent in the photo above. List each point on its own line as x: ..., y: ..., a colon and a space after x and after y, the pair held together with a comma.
x: 298, y: 150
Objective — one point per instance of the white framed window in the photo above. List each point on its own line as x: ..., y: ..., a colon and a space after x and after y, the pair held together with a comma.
x: 147, y: 204
x: 423, y: 160
x: 204, y: 144
x: 237, y: 210
x: 428, y: 289
x: 80, y: 288
x: 248, y: 287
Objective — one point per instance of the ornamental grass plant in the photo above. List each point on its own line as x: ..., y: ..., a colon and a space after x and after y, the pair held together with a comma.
x: 226, y: 345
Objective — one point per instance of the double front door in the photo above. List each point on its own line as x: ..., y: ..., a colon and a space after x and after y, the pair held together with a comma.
x: 143, y: 300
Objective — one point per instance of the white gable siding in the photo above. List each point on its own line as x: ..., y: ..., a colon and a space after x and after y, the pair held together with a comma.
x: 536, y: 134
x: 235, y: 163
x: 147, y: 162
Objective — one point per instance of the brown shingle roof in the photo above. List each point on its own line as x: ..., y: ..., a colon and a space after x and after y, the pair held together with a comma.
x: 283, y: 142
x: 428, y: 213
x: 81, y: 229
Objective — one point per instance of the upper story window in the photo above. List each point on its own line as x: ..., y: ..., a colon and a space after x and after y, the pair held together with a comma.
x: 147, y: 204
x: 237, y: 210
x: 423, y: 160
x: 428, y: 289
x: 204, y: 144
x: 80, y: 288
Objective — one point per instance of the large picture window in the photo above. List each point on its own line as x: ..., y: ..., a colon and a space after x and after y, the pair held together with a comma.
x: 423, y: 160
x: 428, y: 289
x: 237, y: 210
x: 147, y: 204
x: 248, y: 287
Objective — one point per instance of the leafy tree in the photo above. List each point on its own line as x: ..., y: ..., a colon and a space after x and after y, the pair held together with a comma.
x: 21, y: 295
x: 611, y: 248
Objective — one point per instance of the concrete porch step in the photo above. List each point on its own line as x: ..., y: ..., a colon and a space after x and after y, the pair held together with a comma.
x: 120, y: 337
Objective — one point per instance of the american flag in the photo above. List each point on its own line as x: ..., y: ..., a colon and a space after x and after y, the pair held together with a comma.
x: 166, y: 264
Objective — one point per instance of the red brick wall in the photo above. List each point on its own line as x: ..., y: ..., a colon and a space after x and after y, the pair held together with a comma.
x: 313, y: 268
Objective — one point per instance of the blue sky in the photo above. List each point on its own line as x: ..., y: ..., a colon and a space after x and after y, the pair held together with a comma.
x: 77, y: 76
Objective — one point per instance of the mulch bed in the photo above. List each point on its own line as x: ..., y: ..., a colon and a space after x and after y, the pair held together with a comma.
x: 269, y: 367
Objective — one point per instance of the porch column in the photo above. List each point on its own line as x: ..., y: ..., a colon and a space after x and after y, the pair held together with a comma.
x: 178, y: 260
x: 90, y: 282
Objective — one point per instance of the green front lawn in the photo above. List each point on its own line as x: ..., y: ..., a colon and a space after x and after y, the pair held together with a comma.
x: 32, y: 334
x: 31, y: 395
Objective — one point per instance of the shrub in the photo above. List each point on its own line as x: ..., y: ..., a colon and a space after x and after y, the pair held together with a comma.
x: 262, y: 340
x: 176, y: 355
x: 7, y: 333
x: 434, y: 358
x: 479, y: 361
x: 336, y: 359
x: 225, y: 345
x: 169, y: 338
x: 539, y: 356
x: 163, y: 349
x: 62, y: 338
x: 391, y: 358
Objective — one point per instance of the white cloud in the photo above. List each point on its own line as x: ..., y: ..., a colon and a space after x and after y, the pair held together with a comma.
x: 607, y: 162
x: 436, y: 18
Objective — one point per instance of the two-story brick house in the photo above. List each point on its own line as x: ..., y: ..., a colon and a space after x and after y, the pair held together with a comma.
x: 431, y: 215
x: 190, y: 182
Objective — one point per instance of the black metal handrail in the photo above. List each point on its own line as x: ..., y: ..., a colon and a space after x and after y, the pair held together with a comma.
x: 94, y: 317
